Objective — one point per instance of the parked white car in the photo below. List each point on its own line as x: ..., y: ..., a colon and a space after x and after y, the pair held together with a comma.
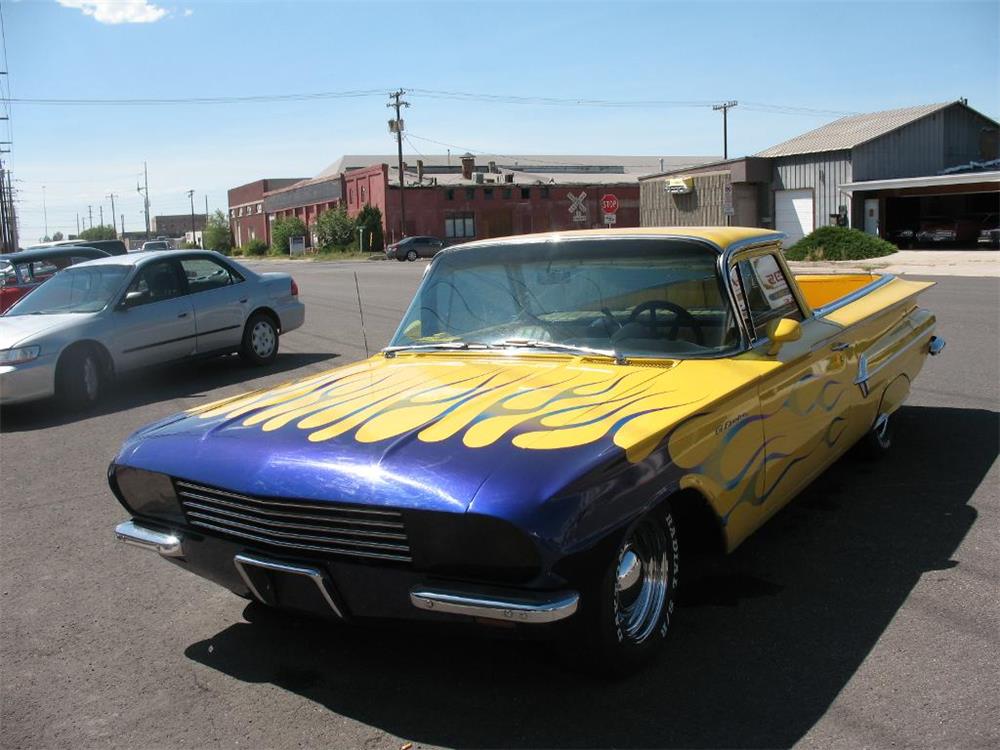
x: 73, y: 334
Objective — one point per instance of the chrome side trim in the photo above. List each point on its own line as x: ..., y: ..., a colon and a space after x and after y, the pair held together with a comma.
x: 315, y: 575
x: 935, y: 346
x: 526, y: 608
x: 167, y: 544
x: 854, y: 296
x: 863, y: 375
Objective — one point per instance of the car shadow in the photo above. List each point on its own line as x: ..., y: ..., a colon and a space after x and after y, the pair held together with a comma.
x: 765, y: 640
x: 181, y: 380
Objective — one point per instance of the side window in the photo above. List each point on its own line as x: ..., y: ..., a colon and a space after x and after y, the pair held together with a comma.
x: 156, y: 282
x: 204, y: 274
x: 768, y: 294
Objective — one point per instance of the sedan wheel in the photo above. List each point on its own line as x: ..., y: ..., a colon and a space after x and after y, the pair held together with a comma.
x: 80, y: 379
x: 260, y: 340
x: 411, y: 255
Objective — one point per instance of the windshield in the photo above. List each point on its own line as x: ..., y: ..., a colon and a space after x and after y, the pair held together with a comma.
x: 628, y: 297
x: 81, y: 289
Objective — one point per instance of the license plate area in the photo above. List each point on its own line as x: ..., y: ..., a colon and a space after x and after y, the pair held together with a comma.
x: 284, y: 584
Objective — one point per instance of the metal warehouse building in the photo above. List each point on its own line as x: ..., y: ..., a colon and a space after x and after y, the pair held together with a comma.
x: 895, y: 174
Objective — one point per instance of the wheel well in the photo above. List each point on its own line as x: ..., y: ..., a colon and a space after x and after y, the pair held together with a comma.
x: 698, y: 525
x: 107, y: 363
x: 269, y: 313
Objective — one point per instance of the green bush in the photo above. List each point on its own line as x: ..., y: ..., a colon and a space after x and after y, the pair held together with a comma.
x: 839, y: 243
x: 283, y: 230
x: 100, y: 232
x: 254, y: 247
x: 334, y: 228
x: 369, y: 219
x: 217, y: 235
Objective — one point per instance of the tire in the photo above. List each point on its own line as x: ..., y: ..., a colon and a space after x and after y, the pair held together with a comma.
x: 411, y: 255
x: 80, y: 379
x: 401, y: 258
x: 260, y: 340
x: 626, y: 615
x: 878, y: 441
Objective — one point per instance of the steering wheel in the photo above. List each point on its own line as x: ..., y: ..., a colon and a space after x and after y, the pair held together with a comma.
x: 679, y: 312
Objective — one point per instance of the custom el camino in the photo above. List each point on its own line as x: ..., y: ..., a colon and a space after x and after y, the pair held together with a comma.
x: 557, y: 420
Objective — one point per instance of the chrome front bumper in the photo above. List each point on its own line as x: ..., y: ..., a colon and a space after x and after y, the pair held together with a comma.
x: 167, y: 544
x: 526, y: 608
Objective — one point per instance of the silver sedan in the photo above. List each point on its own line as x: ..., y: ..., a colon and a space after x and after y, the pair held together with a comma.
x: 73, y: 334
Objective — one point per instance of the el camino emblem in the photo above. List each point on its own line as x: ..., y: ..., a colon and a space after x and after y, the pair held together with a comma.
x: 722, y: 427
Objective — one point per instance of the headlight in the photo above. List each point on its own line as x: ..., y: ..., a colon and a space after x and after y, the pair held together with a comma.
x: 19, y: 356
x: 145, y: 493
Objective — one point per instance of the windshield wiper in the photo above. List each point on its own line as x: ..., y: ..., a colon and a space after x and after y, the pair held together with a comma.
x: 390, y: 351
x: 618, y: 357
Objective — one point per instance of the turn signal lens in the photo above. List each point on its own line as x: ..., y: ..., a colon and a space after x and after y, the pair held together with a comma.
x: 295, y: 289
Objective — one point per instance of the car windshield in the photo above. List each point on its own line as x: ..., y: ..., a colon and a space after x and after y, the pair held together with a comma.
x: 80, y: 289
x: 620, y: 297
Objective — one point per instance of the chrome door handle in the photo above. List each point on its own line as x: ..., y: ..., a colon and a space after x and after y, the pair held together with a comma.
x: 182, y: 315
x: 839, y: 346
x: 243, y: 300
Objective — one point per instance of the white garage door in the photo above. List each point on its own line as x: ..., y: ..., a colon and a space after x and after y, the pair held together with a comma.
x: 793, y: 214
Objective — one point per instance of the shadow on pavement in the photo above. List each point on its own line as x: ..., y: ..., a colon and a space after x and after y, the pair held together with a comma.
x: 764, y: 641
x: 165, y: 383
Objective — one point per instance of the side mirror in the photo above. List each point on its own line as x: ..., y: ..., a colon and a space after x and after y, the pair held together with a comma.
x: 781, y: 332
x: 132, y: 299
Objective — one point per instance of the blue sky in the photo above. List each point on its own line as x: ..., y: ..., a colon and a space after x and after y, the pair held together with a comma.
x: 833, y: 56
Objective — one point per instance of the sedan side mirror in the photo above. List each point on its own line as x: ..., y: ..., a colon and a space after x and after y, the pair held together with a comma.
x: 132, y: 299
x: 783, y: 331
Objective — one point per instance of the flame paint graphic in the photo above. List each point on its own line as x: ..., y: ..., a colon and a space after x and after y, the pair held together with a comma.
x: 540, y: 406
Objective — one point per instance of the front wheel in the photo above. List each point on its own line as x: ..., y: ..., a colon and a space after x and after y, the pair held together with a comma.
x: 625, y: 616
x: 260, y: 340
x: 80, y: 380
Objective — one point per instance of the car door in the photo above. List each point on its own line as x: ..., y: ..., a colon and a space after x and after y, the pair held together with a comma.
x: 154, y: 321
x: 806, y: 400
x: 220, y: 296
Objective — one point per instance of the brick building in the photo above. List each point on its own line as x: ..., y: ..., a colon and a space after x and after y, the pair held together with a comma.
x: 474, y: 197
x: 246, y: 209
x: 175, y: 225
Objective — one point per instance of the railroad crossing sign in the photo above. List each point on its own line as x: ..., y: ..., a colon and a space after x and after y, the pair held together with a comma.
x: 577, y: 207
x: 609, y: 203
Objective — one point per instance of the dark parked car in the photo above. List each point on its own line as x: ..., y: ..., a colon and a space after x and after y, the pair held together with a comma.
x: 21, y: 272
x: 111, y: 247
x: 411, y: 248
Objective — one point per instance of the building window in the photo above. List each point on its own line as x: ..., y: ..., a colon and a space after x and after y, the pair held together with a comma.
x: 260, y: 208
x: 525, y: 194
x: 449, y: 195
x: 470, y: 194
x: 362, y: 193
x: 545, y: 192
x: 507, y: 193
x: 488, y: 194
x: 232, y: 212
x: 460, y: 225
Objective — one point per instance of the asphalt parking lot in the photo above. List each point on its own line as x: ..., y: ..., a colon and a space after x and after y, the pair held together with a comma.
x: 864, y: 614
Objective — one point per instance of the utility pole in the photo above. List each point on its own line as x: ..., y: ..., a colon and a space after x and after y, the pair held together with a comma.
x: 90, y: 211
x: 191, y: 196
x: 144, y: 192
x: 112, y: 197
x: 123, y: 226
x: 77, y: 223
x: 100, y: 212
x: 725, y: 107
x: 396, y: 126
x: 45, y: 212
x: 206, y: 208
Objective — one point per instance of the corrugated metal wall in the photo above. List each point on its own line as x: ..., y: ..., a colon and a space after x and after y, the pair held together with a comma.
x: 944, y: 139
x: 823, y: 173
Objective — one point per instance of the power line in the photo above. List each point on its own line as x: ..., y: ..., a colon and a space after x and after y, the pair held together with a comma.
x: 205, y: 99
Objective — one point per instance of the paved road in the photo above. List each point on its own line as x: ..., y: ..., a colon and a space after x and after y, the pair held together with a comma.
x: 864, y: 614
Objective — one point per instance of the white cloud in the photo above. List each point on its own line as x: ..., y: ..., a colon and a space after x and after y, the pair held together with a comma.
x: 188, y: 12
x: 117, y: 11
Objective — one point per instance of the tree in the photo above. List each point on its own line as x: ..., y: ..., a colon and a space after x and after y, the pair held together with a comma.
x: 369, y: 220
x: 100, y: 232
x: 334, y: 228
x: 284, y: 229
x: 217, y: 235
x: 57, y: 237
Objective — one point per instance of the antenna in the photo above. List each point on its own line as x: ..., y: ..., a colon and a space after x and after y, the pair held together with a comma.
x: 361, y: 312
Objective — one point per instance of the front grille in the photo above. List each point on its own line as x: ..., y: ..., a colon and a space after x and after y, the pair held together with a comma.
x: 303, y: 525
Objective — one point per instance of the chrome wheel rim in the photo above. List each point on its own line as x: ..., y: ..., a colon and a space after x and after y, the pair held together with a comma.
x: 642, y: 580
x: 262, y: 338
x: 91, y: 378
x: 412, y: 255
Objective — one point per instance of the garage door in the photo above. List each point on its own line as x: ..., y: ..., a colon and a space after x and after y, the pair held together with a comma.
x: 793, y: 214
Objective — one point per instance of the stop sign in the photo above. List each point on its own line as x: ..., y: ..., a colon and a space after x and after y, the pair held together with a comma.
x: 609, y: 203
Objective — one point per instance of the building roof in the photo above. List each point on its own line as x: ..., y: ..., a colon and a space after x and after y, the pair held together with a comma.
x: 941, y: 180
x: 550, y: 163
x: 519, y: 178
x: 851, y: 131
